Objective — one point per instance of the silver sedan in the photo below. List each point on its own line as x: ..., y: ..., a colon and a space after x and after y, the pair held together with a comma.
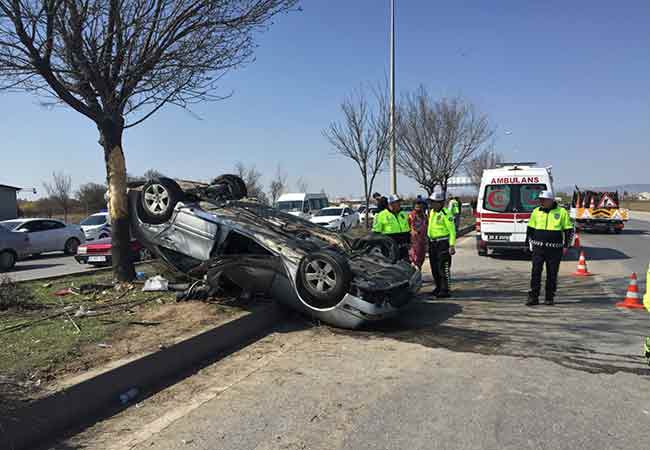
x: 12, y: 247
x: 47, y: 235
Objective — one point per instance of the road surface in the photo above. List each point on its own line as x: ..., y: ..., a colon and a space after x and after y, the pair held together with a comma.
x: 477, y: 371
x: 47, y: 265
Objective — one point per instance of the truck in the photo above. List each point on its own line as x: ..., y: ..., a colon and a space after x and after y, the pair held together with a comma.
x: 598, y: 211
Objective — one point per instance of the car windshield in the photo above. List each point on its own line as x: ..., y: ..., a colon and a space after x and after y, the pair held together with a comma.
x: 329, y: 212
x: 12, y: 224
x: 509, y: 198
x: 290, y: 206
x: 94, y: 220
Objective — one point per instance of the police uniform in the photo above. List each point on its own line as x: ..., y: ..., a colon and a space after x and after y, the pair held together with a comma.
x: 396, y: 226
x: 454, y: 211
x: 549, y: 232
x: 442, y: 235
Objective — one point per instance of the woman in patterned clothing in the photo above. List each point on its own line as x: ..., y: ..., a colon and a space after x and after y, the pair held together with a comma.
x: 418, y: 221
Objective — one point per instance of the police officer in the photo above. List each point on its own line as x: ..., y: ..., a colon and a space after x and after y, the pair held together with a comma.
x: 549, y: 236
x: 380, y: 201
x: 454, y: 211
x: 442, y: 242
x: 393, y: 222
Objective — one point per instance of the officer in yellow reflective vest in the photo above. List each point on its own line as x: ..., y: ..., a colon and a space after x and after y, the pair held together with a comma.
x: 549, y: 236
x: 394, y: 222
x: 454, y: 210
x: 442, y: 244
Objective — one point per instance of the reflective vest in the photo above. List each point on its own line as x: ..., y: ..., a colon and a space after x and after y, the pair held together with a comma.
x: 548, y: 228
x: 441, y: 225
x: 388, y: 223
x: 557, y: 219
x: 454, y: 207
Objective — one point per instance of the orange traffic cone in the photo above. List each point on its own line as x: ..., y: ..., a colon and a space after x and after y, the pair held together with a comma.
x: 576, y: 242
x: 633, y: 299
x: 582, y: 266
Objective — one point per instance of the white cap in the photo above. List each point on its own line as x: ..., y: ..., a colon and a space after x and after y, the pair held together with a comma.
x: 393, y: 198
x: 548, y: 195
x: 437, y: 197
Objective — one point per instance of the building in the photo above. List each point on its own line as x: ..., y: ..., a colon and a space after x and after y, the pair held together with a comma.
x: 8, y: 202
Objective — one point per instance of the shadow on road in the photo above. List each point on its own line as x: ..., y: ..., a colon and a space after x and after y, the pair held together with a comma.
x: 597, y: 254
x: 583, y: 331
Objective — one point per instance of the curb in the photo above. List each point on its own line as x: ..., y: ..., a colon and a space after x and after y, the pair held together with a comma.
x: 99, y: 396
x: 77, y: 274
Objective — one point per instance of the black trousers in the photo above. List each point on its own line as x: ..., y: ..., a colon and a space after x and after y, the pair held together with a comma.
x: 551, y: 257
x: 440, y: 261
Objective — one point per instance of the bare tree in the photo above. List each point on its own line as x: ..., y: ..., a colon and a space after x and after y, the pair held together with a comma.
x: 60, y: 191
x: 151, y: 174
x: 278, y: 184
x: 91, y: 196
x: 487, y: 159
x: 302, y: 185
x: 118, y: 62
x: 253, y: 179
x: 437, y: 138
x: 363, y: 135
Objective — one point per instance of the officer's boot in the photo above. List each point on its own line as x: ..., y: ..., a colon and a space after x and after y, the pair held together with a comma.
x: 532, y: 300
x: 549, y: 301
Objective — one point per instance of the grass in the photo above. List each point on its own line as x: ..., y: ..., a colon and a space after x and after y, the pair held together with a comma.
x: 44, y: 342
x: 636, y: 205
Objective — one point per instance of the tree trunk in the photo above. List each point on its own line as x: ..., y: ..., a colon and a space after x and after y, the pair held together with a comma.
x: 367, y: 195
x: 111, y: 140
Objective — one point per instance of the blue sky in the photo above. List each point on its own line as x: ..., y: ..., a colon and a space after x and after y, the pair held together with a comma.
x: 570, y: 80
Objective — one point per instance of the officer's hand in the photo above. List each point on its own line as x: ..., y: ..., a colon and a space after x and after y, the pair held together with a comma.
x: 452, y: 250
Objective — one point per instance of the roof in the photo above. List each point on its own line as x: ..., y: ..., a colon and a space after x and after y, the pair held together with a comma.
x: 10, y: 187
x: 300, y: 196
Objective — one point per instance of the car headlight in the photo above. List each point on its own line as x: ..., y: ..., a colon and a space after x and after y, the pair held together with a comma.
x: 335, y: 222
x: 81, y: 250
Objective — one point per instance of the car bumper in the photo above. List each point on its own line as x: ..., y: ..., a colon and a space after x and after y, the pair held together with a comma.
x: 97, y: 260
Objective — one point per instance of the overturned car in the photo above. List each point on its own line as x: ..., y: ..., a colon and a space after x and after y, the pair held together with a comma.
x: 210, y: 234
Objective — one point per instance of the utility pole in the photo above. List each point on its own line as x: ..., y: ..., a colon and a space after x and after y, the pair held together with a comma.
x: 392, y: 155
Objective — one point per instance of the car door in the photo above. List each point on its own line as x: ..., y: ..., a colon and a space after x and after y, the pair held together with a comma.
x: 57, y: 233
x: 37, y: 239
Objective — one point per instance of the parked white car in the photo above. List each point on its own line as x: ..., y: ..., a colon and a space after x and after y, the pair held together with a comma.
x: 338, y: 219
x: 47, y: 235
x: 96, y: 226
x: 363, y: 216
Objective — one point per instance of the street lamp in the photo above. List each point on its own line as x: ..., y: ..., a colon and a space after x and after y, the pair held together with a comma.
x: 392, y: 157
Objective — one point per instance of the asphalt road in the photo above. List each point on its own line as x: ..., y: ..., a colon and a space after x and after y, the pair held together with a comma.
x: 46, y: 265
x: 477, y: 371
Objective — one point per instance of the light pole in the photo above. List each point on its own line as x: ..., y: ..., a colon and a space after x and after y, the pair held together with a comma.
x: 392, y: 157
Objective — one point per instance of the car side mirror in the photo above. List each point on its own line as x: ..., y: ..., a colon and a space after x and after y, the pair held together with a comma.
x: 22, y: 230
x: 346, y: 214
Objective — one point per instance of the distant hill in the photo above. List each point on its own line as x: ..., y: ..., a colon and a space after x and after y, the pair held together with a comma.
x: 631, y: 188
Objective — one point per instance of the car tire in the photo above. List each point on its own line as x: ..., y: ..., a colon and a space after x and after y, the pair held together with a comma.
x: 71, y: 246
x: 144, y: 254
x: 158, y: 199
x: 378, y: 245
x: 7, y: 260
x: 324, y: 279
x: 235, y: 184
x: 342, y: 228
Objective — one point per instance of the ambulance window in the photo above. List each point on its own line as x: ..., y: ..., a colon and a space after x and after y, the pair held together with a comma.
x: 497, y: 197
x: 528, y: 196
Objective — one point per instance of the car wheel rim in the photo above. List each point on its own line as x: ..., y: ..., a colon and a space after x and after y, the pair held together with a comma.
x: 73, y: 246
x: 156, y: 199
x: 320, y: 276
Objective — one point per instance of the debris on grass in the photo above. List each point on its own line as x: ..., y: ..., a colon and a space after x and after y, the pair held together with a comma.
x: 156, y: 284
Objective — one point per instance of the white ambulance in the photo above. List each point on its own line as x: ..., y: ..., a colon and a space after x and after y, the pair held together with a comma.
x: 507, y: 196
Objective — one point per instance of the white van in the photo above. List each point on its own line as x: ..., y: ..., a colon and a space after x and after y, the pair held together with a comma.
x: 302, y: 204
x: 507, y: 196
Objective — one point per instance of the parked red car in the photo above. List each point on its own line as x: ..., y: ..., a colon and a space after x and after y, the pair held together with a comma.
x: 98, y: 253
